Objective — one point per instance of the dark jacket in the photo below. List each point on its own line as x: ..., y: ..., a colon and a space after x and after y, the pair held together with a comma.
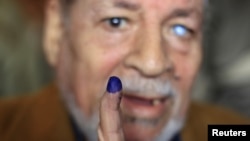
x: 43, y: 117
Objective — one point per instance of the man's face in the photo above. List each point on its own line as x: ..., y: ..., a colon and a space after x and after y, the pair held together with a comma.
x: 154, y: 46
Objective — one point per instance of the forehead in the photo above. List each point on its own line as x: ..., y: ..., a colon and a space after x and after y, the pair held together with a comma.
x: 137, y: 4
x: 159, y: 8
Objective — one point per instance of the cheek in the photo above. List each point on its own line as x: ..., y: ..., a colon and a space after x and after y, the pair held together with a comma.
x: 189, y: 71
x: 110, y: 54
x: 187, y: 67
x: 101, y: 55
x: 110, y: 61
x: 96, y: 60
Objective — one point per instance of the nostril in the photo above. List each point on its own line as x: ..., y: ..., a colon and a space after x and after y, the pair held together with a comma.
x: 170, y: 68
x: 150, y: 67
x: 177, y: 77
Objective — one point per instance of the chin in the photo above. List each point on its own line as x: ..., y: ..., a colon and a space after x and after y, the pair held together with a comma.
x: 143, y: 120
x: 162, y: 127
x: 151, y: 130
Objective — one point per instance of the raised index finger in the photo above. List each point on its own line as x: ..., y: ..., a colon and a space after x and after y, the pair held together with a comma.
x: 110, y: 128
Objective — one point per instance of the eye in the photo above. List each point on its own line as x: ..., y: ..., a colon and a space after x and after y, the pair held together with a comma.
x: 181, y: 30
x: 116, y: 22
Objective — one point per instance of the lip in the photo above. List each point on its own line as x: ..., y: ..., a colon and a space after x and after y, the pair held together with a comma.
x: 144, y: 107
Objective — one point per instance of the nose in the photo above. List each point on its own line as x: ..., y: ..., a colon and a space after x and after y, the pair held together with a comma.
x: 149, y: 56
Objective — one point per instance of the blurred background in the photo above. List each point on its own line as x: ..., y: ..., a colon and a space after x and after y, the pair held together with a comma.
x: 224, y: 78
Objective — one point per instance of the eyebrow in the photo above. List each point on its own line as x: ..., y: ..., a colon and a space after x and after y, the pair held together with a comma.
x: 184, y: 13
x: 126, y: 5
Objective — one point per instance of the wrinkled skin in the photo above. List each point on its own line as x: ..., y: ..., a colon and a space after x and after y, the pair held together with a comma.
x: 137, y: 40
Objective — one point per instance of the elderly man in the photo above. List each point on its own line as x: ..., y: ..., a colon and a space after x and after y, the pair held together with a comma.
x: 124, y: 71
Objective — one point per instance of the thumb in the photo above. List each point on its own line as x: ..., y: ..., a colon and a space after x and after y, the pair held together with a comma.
x: 110, y: 128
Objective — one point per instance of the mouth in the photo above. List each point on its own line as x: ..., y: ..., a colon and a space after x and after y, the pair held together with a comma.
x: 145, y: 101
x: 144, y: 116
x: 145, y: 107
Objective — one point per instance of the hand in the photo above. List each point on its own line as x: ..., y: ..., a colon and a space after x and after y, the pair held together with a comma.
x: 110, y: 128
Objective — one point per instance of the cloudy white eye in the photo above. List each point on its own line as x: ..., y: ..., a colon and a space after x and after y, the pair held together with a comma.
x: 180, y: 30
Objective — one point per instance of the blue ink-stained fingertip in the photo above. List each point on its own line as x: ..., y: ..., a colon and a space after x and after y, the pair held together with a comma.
x: 114, y: 85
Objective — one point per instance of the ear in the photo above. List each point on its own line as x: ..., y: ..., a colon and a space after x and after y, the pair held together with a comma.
x: 52, y: 31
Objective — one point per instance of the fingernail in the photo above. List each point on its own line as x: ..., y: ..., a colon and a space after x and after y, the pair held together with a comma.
x: 114, y: 85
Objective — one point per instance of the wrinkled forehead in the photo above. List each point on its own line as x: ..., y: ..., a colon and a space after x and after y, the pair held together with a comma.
x: 155, y: 6
x: 159, y: 4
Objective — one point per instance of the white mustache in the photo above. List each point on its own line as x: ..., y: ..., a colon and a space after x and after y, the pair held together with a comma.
x: 147, y: 87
